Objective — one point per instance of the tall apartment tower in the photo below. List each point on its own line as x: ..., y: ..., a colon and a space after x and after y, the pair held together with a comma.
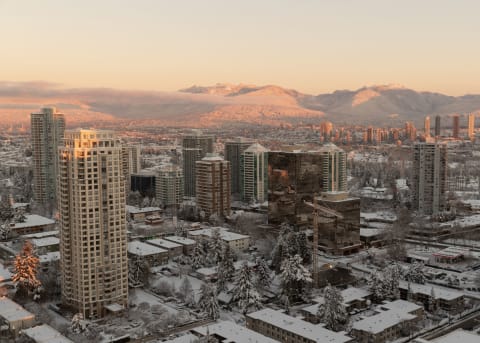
x: 254, y: 174
x: 92, y: 223
x: 213, y: 186
x: 194, y: 147
x: 48, y: 127
x: 456, y: 126
x: 426, y: 127
x: 429, y: 184
x: 169, y: 186
x: 233, y: 152
x: 471, y: 126
x: 131, y: 162
x: 334, y: 168
x: 437, y: 126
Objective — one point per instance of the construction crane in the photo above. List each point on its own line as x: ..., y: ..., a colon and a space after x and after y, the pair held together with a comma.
x: 324, y: 215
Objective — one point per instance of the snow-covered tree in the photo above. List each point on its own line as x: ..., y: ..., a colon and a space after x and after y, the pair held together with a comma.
x: 302, y: 248
x: 146, y: 202
x: 138, y: 270
x: 134, y: 199
x: 226, y: 268
x: 245, y: 294
x: 332, y: 312
x: 416, y: 273
x: 186, y: 292
x: 432, y: 301
x: 198, y: 257
x: 263, y: 274
x: 378, y: 288
x: 392, y: 275
x: 6, y: 210
x: 295, y: 277
x: 78, y: 323
x: 208, y: 302
x: 25, y: 266
x: 215, y: 247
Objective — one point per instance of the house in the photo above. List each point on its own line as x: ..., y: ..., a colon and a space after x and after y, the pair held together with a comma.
x: 187, y: 244
x: 390, y: 321
x: 288, y: 329
x: 433, y: 297
x: 13, y: 318
x: 155, y: 256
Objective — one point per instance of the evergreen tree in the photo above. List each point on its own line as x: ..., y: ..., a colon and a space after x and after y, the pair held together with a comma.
x: 226, y: 268
x: 6, y: 210
x: 263, y: 274
x: 186, y: 292
x: 26, y: 264
x: 295, y: 277
x: 391, y: 276
x: 215, y: 247
x: 333, y: 313
x: 244, y: 293
x: 432, y: 301
x: 198, y: 257
x: 378, y: 288
x: 208, y: 302
x: 416, y: 273
x: 302, y: 248
x: 138, y: 270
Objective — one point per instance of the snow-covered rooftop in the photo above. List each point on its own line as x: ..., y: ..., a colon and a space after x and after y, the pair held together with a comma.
x: 45, y: 334
x: 180, y: 240
x: 49, y: 257
x: 440, y: 293
x: 458, y: 336
x: 41, y: 234
x: 136, y: 210
x: 32, y: 220
x: 162, y: 243
x: 4, y: 273
x: 144, y: 249
x: 233, y: 333
x: 45, y: 241
x: 316, y: 333
x: 349, y: 295
x: 12, y: 311
x: 224, y: 234
x: 188, y: 338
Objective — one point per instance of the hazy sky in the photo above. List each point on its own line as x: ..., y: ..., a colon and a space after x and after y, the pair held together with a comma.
x: 311, y: 45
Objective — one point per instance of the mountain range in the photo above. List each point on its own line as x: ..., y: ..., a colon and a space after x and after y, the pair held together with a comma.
x: 227, y: 105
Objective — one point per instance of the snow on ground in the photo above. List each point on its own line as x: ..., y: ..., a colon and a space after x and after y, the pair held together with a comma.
x: 176, y: 281
x: 138, y: 296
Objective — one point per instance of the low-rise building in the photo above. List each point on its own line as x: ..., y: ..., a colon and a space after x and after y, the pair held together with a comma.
x: 353, y: 298
x: 187, y: 243
x: 173, y: 248
x: 225, y: 331
x: 237, y: 242
x: 433, y: 297
x: 139, y: 214
x: 13, y: 318
x: 391, y: 321
x: 288, y: 329
x: 155, y: 256
x: 456, y: 336
x: 32, y: 223
x: 44, y: 334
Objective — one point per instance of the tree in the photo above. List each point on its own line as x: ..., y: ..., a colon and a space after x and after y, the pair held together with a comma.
x: 392, y: 275
x: 6, y: 210
x: 208, y: 302
x: 198, y: 257
x: 215, y: 247
x: 78, y: 323
x: 226, y: 268
x: 332, y: 312
x: 244, y: 293
x: 186, y: 292
x: 138, y: 270
x: 134, y: 199
x: 26, y: 265
x: 378, y: 288
x: 263, y: 274
x: 145, y: 202
x: 295, y: 277
x: 432, y: 301
x: 416, y: 273
x: 302, y: 248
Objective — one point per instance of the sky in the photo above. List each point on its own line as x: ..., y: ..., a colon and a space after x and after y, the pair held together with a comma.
x: 314, y: 46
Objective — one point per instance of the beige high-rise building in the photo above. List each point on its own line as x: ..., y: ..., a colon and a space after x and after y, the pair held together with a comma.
x: 47, y: 127
x: 254, y: 174
x: 471, y: 126
x: 131, y: 162
x: 92, y: 223
x: 213, y: 186
x: 427, y: 127
x: 169, y: 186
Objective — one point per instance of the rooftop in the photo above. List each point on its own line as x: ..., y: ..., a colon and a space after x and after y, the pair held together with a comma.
x: 12, y: 311
x: 180, y: 240
x: 32, y: 220
x: 45, y: 334
x: 144, y: 249
x: 233, y: 333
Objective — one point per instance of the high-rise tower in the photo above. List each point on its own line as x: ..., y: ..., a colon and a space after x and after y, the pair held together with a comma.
x: 213, y: 186
x: 254, y: 174
x: 437, y: 126
x: 233, y: 153
x: 92, y: 223
x: 47, y: 127
x: 456, y: 126
x: 429, y: 177
x: 471, y: 126
x: 427, y: 127
x: 194, y: 147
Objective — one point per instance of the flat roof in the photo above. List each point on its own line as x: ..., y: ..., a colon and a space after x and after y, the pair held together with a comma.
x: 440, y: 293
x: 162, y: 243
x: 233, y: 333
x: 32, y: 220
x: 45, y: 241
x: 12, y: 312
x: 45, y: 334
x: 180, y: 240
x: 144, y: 249
x: 299, y: 327
x: 136, y: 210
x: 458, y: 335
x: 224, y: 234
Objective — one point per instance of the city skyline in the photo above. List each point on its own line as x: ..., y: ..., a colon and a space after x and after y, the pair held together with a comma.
x: 313, y: 47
